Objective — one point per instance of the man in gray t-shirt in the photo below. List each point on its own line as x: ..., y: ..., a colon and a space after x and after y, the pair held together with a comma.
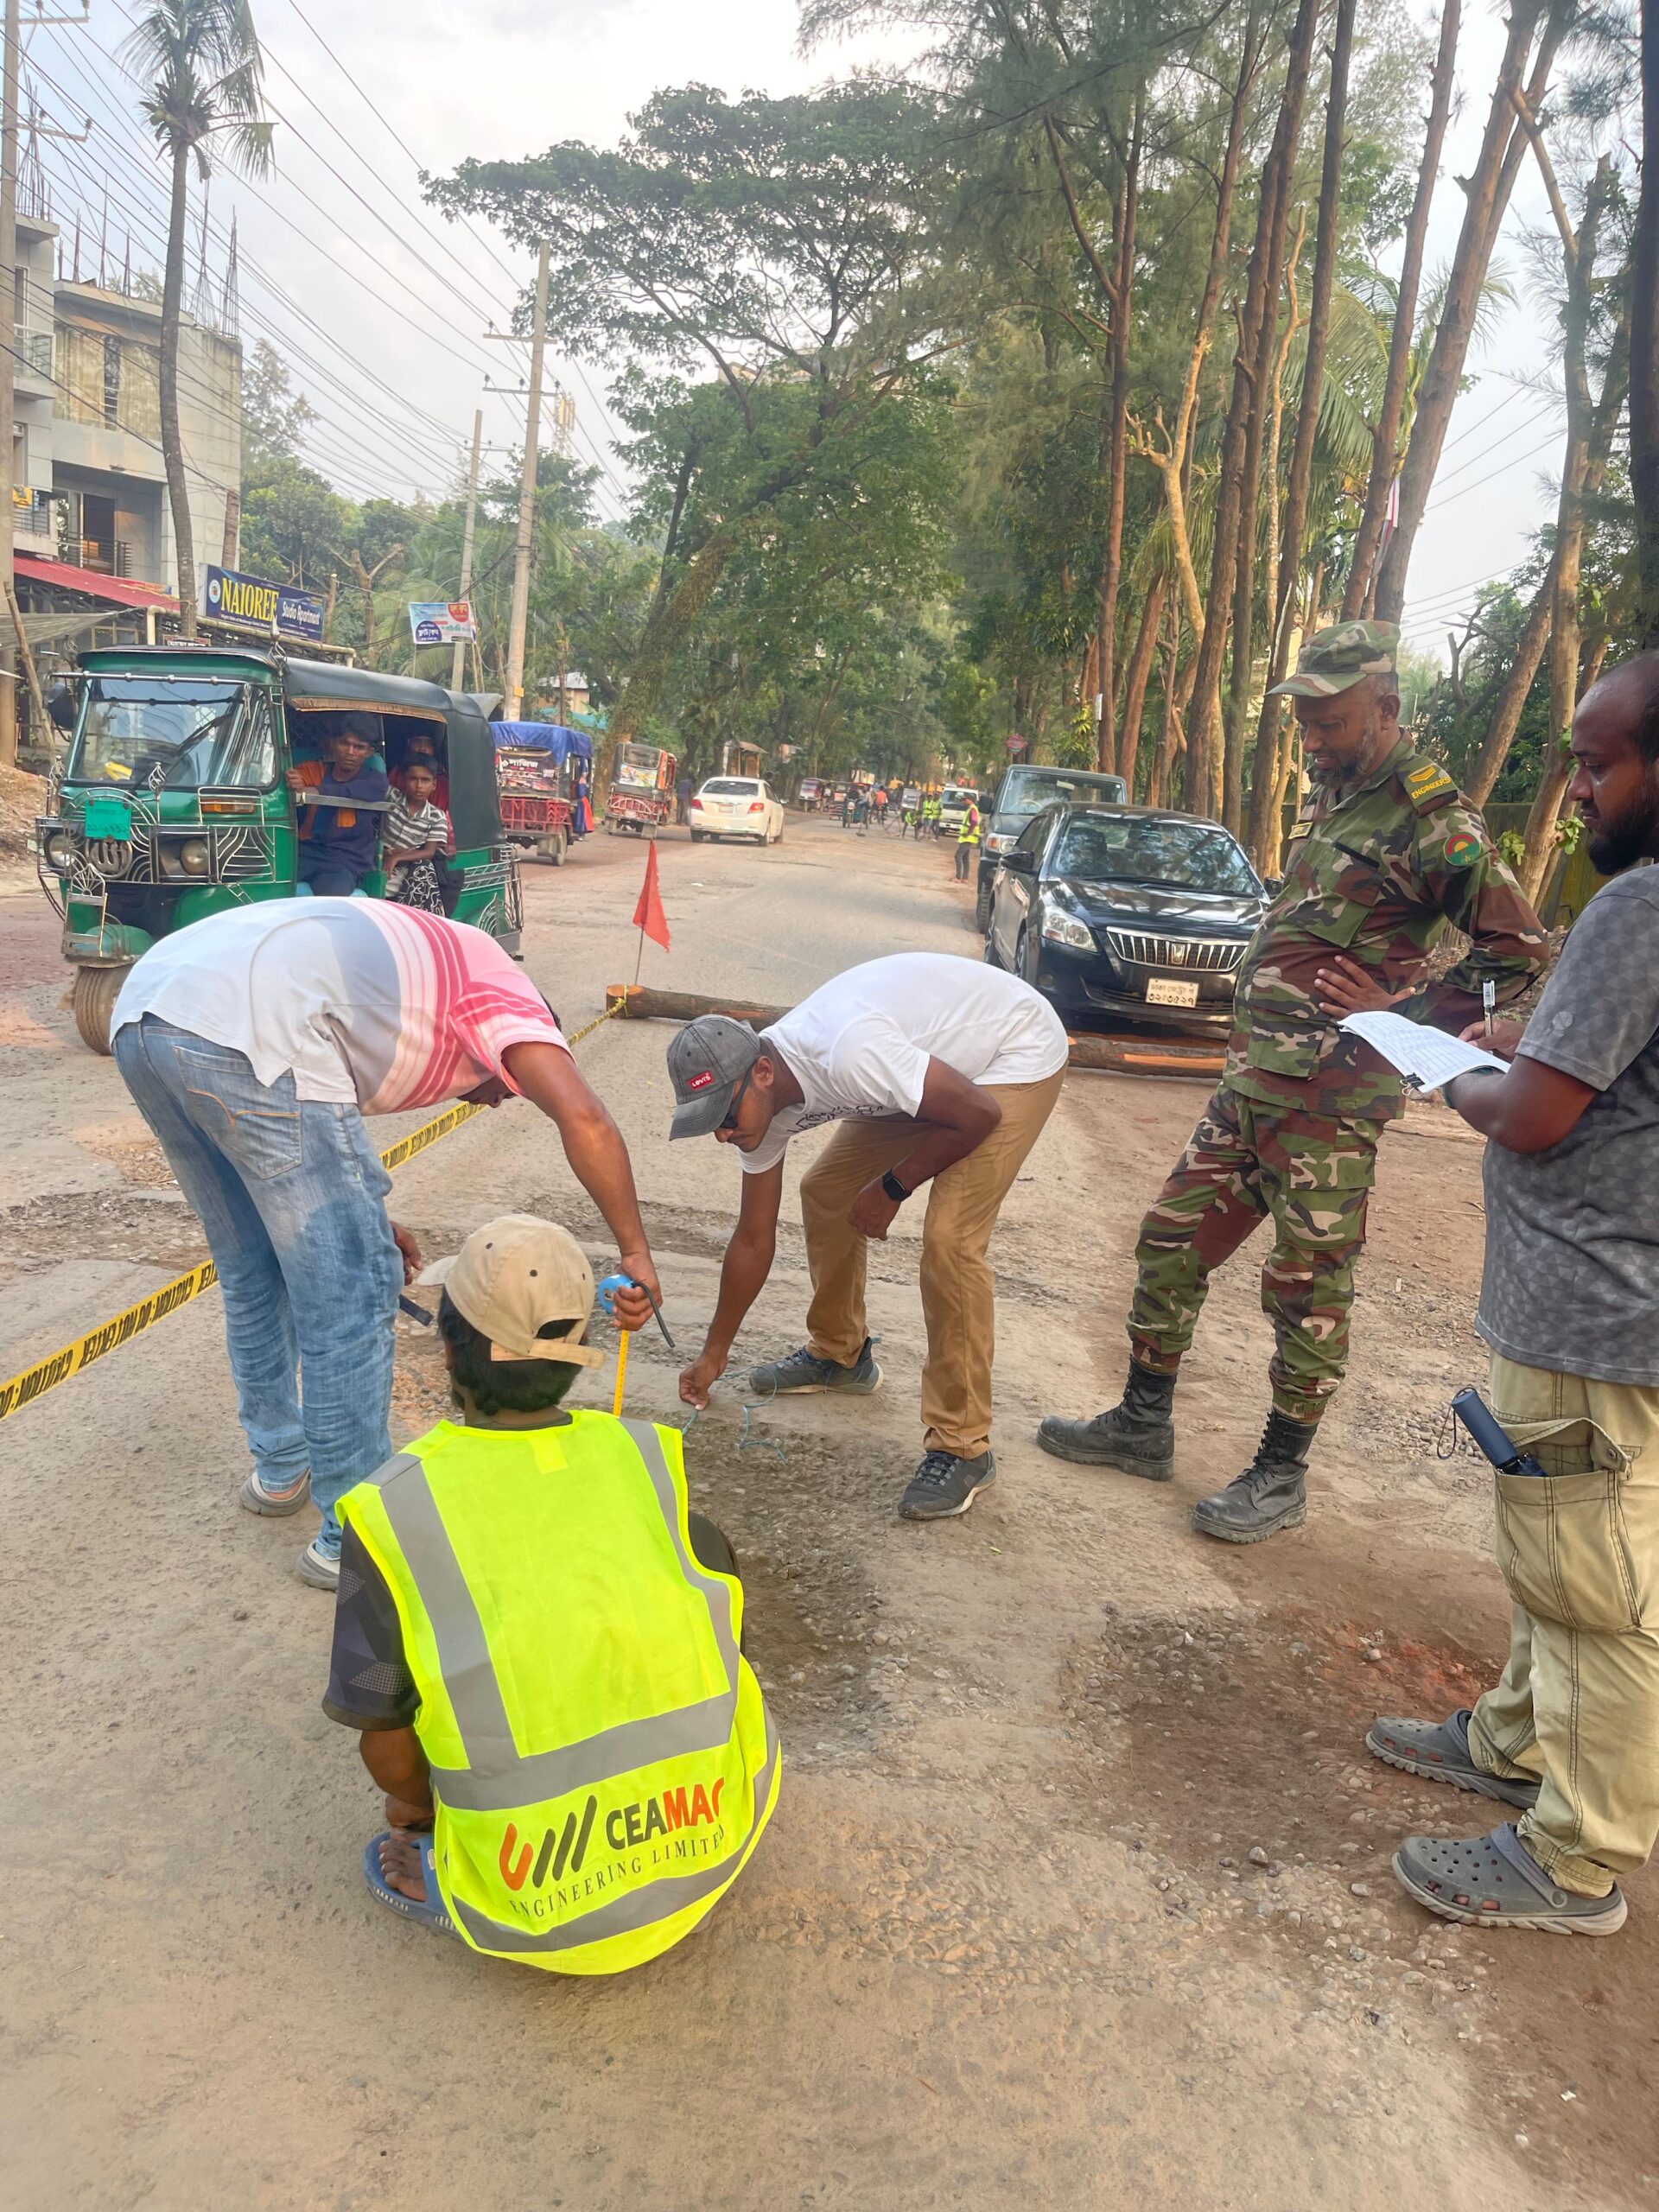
x: 1568, y: 1305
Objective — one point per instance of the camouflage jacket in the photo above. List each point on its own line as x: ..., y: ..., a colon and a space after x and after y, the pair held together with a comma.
x: 1375, y: 872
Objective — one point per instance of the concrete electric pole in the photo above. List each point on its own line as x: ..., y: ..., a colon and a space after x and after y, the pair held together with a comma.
x: 459, y: 660
x: 526, y: 496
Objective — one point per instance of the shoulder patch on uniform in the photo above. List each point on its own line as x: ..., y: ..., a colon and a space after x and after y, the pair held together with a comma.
x: 1299, y: 829
x: 1463, y: 848
x: 1427, y: 785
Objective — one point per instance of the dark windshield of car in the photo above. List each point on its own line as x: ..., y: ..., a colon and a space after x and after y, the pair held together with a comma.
x: 1026, y: 790
x: 1184, y: 855
x: 135, y: 732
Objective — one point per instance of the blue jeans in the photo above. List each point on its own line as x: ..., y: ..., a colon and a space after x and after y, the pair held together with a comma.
x: 292, y: 1197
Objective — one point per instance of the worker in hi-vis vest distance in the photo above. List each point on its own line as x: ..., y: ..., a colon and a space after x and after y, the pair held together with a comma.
x: 540, y: 1645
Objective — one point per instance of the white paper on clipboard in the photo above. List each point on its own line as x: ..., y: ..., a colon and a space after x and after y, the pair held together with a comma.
x: 1427, y: 1058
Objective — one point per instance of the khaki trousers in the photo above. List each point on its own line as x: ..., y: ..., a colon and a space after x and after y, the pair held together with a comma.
x: 958, y: 1288
x: 1577, y: 1709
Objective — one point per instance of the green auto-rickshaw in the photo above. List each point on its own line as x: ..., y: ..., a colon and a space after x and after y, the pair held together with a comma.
x: 172, y: 801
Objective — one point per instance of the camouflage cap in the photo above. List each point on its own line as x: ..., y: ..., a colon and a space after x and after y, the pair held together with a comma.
x: 1337, y: 657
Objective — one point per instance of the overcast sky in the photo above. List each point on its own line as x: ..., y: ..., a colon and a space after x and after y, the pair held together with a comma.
x: 380, y: 308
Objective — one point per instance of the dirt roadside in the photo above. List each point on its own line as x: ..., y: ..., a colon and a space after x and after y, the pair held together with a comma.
x: 1078, y: 1894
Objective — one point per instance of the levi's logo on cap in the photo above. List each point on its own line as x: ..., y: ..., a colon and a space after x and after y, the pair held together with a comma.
x: 700, y: 1082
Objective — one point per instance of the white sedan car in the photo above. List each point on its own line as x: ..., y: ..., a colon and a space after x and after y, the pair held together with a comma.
x: 737, y: 806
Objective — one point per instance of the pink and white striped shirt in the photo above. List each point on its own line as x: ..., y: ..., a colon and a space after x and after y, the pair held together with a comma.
x: 360, y: 1001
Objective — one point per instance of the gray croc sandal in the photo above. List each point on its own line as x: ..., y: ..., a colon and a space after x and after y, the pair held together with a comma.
x: 1494, y: 1881
x: 1439, y: 1750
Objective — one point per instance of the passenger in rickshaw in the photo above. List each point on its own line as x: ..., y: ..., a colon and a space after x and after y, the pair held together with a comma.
x: 421, y: 747
x: 337, y: 843
x: 417, y: 837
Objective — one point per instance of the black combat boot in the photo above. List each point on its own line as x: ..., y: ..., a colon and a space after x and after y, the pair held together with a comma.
x: 1272, y: 1492
x: 1137, y: 1436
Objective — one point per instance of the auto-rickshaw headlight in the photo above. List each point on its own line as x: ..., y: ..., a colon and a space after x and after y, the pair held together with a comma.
x: 193, y: 856
x: 59, y: 850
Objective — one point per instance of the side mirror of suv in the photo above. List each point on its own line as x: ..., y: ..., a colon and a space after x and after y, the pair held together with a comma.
x: 1020, y: 863
x: 1273, y: 885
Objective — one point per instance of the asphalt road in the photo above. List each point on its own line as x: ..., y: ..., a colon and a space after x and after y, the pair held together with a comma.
x: 1078, y: 1893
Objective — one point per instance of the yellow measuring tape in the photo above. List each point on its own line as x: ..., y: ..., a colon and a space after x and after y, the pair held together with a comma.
x: 57, y: 1367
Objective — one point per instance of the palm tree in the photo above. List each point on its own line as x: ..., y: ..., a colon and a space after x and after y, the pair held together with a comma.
x: 200, y: 65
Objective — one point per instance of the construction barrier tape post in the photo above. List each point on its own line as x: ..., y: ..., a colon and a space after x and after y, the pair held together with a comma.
x: 57, y: 1367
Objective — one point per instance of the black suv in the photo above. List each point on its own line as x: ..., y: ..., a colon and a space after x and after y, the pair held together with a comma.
x: 1125, y: 910
x: 1022, y: 793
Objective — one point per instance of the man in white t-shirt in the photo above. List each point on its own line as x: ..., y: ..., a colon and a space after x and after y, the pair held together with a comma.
x: 940, y: 1070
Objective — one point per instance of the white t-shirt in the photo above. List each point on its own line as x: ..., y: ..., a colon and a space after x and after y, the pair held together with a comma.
x: 859, y: 1047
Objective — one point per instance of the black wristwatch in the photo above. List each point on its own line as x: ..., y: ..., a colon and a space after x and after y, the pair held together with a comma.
x: 894, y: 1189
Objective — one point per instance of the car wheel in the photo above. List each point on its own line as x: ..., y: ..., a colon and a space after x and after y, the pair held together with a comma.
x: 696, y: 836
x: 982, y: 906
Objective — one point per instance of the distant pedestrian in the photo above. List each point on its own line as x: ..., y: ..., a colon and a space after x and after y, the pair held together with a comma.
x: 1569, y: 1736
x: 967, y: 840
x: 682, y: 792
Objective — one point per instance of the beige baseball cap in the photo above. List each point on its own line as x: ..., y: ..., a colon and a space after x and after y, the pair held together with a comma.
x: 512, y: 1277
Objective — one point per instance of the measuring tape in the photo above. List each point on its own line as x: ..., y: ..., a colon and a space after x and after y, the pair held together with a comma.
x: 57, y: 1367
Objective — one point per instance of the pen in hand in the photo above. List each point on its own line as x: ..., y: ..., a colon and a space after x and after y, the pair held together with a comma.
x: 1488, y: 1000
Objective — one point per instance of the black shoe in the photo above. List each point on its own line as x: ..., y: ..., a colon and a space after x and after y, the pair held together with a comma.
x: 1137, y: 1436
x: 944, y: 1485
x: 803, y: 1372
x: 1272, y: 1492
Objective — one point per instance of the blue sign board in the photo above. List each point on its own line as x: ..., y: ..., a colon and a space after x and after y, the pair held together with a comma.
x: 230, y: 597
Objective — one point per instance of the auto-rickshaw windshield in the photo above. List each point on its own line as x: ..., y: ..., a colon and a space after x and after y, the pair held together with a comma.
x: 194, y: 733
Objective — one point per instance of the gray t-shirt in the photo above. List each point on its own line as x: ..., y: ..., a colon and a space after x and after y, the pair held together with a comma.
x: 1572, y: 1275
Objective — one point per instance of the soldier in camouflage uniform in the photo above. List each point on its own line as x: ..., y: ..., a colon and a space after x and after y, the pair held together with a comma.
x: 1387, y: 852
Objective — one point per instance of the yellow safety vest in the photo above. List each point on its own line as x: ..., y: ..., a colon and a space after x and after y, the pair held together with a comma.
x: 602, y: 1760
x: 969, y: 833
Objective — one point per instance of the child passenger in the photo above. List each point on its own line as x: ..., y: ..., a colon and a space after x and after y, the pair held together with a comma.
x: 417, y: 831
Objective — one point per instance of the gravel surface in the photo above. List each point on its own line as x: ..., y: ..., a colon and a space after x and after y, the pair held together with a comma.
x: 1078, y: 1891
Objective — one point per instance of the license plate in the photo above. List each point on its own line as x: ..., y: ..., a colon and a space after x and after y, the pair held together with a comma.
x: 1162, y: 990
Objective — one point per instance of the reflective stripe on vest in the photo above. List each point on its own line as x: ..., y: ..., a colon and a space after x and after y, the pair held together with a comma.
x: 634, y: 1908
x: 496, y: 1779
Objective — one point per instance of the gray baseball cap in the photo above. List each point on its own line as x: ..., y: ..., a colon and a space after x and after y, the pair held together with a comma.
x: 706, y: 1063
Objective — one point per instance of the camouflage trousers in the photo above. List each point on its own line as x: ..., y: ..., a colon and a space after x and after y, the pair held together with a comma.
x: 1312, y: 1173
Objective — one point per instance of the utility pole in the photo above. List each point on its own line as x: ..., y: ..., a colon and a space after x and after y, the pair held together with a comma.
x: 526, y: 494
x: 459, y: 654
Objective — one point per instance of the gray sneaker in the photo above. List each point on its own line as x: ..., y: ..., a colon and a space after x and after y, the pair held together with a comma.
x: 943, y: 1485
x: 803, y: 1371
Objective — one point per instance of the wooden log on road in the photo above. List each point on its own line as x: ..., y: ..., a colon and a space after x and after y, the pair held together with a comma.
x: 1108, y: 1055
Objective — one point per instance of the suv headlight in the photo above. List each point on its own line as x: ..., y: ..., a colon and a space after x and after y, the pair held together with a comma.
x: 997, y: 843
x: 1061, y: 928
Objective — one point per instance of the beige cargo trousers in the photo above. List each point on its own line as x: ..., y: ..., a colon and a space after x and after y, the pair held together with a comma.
x: 958, y: 1288
x: 1577, y: 1710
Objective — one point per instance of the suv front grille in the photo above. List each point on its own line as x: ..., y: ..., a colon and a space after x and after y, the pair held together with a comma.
x: 1195, y: 955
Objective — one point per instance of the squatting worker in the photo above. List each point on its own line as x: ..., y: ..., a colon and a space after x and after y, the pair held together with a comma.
x: 938, y: 1070
x: 1386, y: 852
x: 541, y: 1646
x: 254, y: 1042
x: 1570, y: 1736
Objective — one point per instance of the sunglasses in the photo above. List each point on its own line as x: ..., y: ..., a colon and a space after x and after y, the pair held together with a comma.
x: 729, y: 1124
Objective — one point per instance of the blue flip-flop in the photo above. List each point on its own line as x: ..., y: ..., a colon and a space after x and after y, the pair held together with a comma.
x: 428, y: 1911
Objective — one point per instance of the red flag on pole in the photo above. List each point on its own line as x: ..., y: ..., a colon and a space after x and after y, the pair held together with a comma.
x: 648, y: 915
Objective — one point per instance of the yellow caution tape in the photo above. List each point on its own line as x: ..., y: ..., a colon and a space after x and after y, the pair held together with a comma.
x: 57, y: 1367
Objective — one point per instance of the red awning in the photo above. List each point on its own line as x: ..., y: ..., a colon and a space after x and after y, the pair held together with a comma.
x: 118, y: 591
